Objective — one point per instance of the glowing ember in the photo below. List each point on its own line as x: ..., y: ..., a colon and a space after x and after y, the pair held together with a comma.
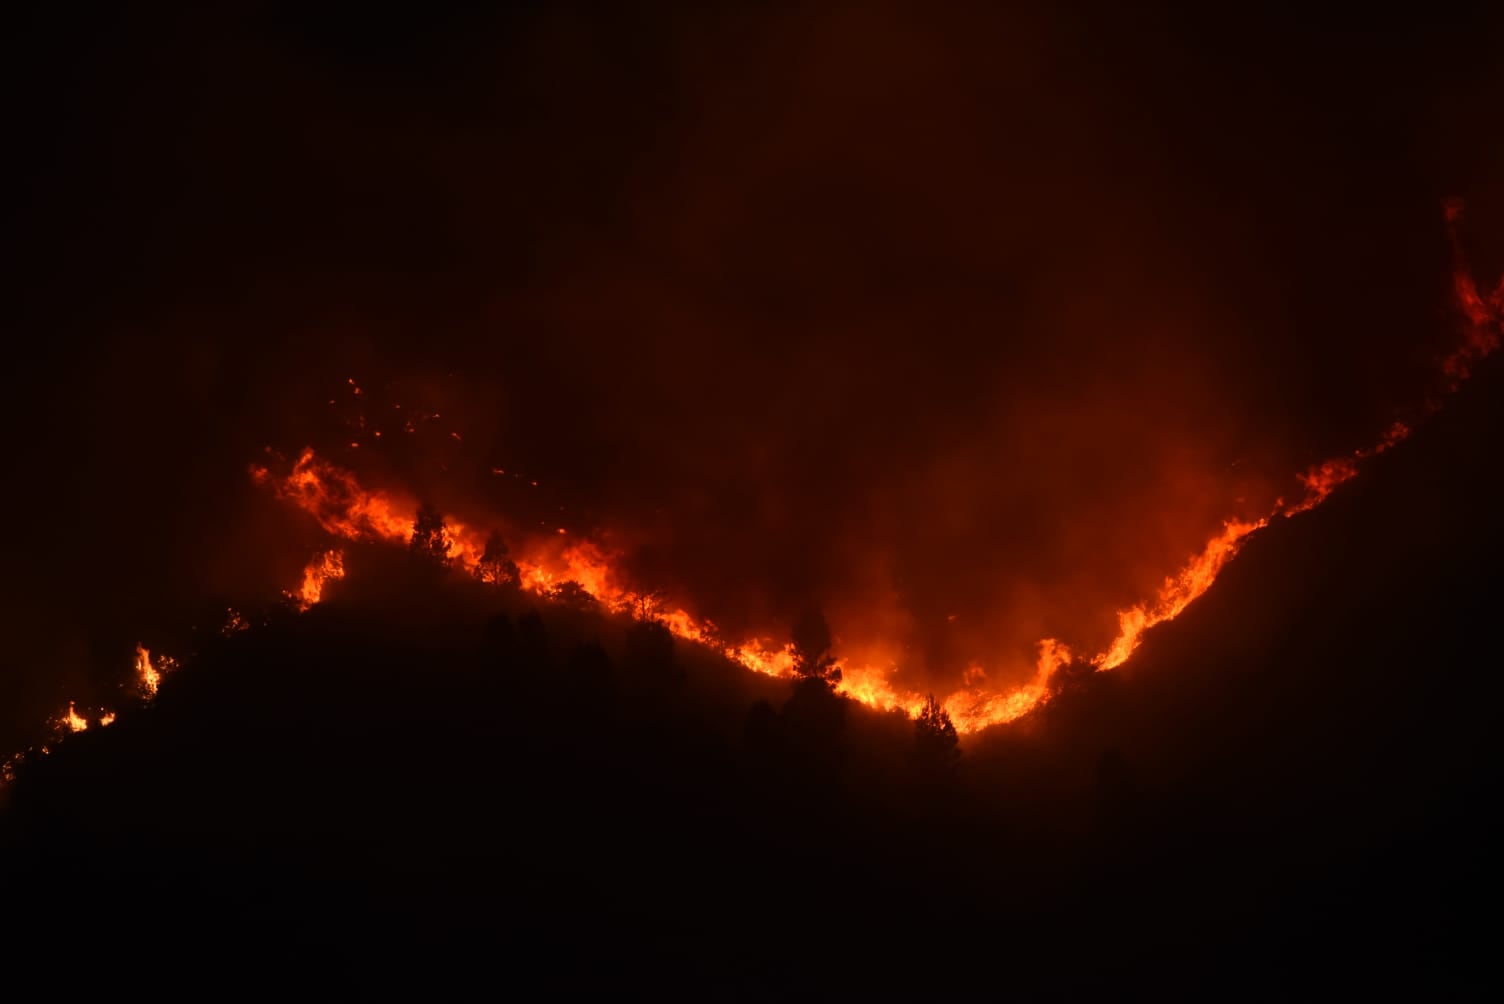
x: 549, y: 568
x: 1396, y: 433
x: 234, y: 623
x: 148, y: 675
x: 560, y: 565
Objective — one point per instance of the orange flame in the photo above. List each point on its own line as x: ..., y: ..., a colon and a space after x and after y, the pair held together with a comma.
x: 148, y: 678
x: 323, y: 569
x: 1485, y: 314
x: 73, y: 721
x: 974, y: 708
x: 148, y: 674
x: 342, y: 507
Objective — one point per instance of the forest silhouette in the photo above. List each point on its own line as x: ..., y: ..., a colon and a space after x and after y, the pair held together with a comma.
x: 964, y: 323
x: 434, y: 778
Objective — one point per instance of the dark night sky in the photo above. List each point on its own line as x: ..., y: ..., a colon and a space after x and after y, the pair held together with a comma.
x: 911, y: 313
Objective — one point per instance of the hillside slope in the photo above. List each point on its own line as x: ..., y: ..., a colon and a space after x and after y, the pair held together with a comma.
x: 1287, y: 787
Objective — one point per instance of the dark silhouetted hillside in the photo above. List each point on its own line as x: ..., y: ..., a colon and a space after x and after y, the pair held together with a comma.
x: 1289, y: 789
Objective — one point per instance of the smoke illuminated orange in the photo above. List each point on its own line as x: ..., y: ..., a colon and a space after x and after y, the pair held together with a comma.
x: 346, y: 510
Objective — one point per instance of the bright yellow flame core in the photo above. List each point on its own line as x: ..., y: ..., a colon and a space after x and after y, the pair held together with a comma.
x: 149, y: 674
x: 73, y: 721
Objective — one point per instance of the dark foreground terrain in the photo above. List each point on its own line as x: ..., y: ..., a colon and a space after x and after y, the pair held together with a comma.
x: 1288, y: 790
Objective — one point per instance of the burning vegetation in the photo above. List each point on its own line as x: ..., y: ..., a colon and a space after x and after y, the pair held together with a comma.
x: 577, y: 571
x: 734, y: 471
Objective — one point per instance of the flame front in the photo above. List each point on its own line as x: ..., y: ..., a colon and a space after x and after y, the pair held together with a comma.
x: 346, y: 510
x: 1178, y: 591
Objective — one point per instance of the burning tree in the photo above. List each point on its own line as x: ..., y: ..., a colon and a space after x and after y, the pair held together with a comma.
x: 430, y: 539
x: 814, y: 719
x: 496, y: 564
x: 571, y: 594
x: 812, y: 658
x: 935, y: 739
x: 647, y: 606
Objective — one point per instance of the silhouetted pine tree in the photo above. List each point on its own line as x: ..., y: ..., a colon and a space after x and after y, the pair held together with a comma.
x: 496, y: 564
x: 935, y: 741
x: 812, y: 658
x: 572, y: 594
x: 430, y: 539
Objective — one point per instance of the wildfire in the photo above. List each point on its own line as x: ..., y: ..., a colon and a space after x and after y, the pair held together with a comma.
x: 1178, y: 592
x: 325, y: 567
x: 549, y: 566
x: 72, y: 720
x: 148, y: 678
x: 562, y: 565
x: 149, y: 674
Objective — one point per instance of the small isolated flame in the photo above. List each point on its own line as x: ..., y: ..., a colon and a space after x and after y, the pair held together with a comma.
x: 73, y: 721
x: 148, y: 678
x: 325, y: 567
x: 148, y: 674
x: 1485, y: 322
x: 335, y: 498
x: 1484, y: 314
x: 347, y: 511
